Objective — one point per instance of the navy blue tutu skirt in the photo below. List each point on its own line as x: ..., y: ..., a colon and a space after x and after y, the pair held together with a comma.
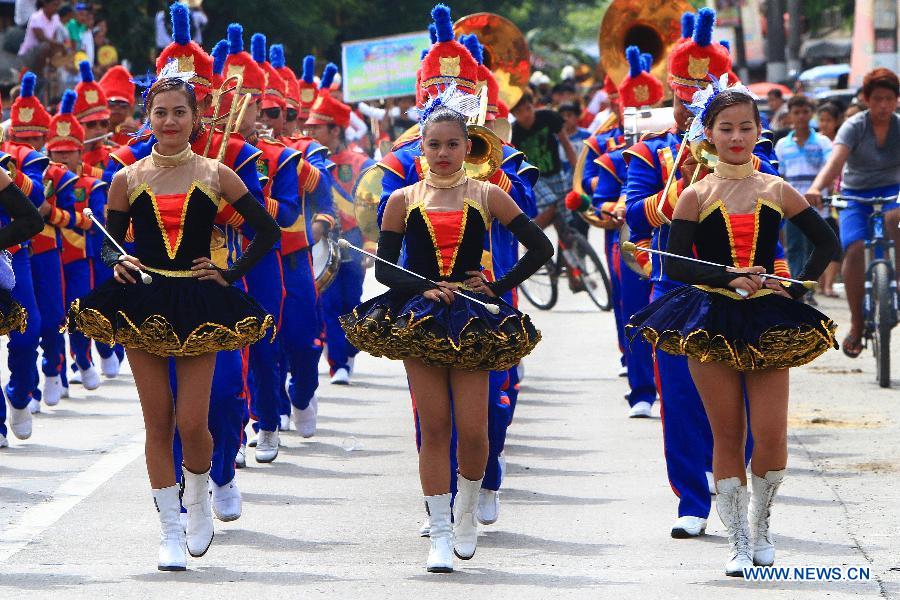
x: 172, y: 316
x: 462, y: 335
x: 766, y: 331
x: 12, y: 316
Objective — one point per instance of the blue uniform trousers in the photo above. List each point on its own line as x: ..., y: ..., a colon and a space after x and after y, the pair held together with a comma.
x: 47, y: 275
x: 301, y: 332
x: 611, y: 240
x: 340, y: 298
x: 226, y: 405
x: 22, y: 347
x: 266, y: 285
x: 79, y: 280
x: 638, y: 354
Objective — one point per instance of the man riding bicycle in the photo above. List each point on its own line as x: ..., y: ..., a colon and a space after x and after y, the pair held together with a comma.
x: 867, y: 148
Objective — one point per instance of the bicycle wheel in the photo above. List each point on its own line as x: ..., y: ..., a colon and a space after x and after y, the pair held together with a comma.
x: 884, y: 321
x: 542, y: 288
x: 592, y: 272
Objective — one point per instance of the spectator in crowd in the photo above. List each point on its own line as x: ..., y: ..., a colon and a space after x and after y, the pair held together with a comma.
x: 562, y: 93
x: 198, y: 20
x: 777, y: 109
x: 41, y: 35
x: 854, y: 108
x: 163, y: 35
x: 571, y: 115
x: 24, y: 10
x: 801, y: 155
x: 830, y: 116
x: 539, y: 134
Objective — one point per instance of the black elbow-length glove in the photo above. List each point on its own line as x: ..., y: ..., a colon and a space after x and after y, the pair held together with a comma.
x: 26, y: 220
x: 824, y: 242
x: 538, y: 252
x: 266, y: 235
x: 389, y: 245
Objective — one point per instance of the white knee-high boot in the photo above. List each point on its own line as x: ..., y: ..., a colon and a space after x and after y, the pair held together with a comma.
x: 196, y: 500
x: 764, y: 490
x: 440, y: 557
x: 465, y: 526
x: 731, y: 503
x: 172, y: 554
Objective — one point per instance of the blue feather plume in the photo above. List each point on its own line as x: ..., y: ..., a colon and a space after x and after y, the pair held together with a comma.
x: 181, y: 23
x: 28, y: 83
x: 220, y: 55
x: 68, y: 102
x: 328, y: 76
x: 84, y: 68
x: 235, y: 38
x: 258, y: 47
x: 309, y: 68
x: 276, y: 55
x: 703, y: 30
x: 442, y: 23
x: 633, y: 54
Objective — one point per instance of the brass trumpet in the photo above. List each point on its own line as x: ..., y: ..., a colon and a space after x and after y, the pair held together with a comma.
x: 234, y: 117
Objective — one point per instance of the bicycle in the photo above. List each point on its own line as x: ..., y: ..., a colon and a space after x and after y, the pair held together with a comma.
x: 880, y: 300
x: 578, y: 260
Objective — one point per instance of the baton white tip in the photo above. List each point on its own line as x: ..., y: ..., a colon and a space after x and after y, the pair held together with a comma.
x: 493, y: 309
x: 88, y: 213
x: 145, y: 277
x: 343, y: 243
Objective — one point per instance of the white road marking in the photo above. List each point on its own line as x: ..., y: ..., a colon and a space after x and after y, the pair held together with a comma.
x: 41, y: 517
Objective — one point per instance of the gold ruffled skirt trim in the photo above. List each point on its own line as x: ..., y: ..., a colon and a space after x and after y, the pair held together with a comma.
x: 156, y: 336
x: 16, y: 319
x: 776, y: 348
x: 478, y: 349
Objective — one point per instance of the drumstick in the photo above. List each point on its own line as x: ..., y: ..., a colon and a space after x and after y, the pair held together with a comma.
x: 145, y: 277
x: 631, y: 247
x: 491, y: 308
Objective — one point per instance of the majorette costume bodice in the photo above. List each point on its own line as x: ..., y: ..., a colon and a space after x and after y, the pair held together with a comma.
x: 740, y: 213
x: 446, y: 221
x: 173, y: 201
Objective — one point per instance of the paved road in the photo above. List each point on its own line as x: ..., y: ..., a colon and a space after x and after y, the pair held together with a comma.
x: 586, y: 505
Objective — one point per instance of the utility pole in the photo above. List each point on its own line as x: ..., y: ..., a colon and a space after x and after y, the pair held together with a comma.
x: 795, y: 35
x: 776, y: 68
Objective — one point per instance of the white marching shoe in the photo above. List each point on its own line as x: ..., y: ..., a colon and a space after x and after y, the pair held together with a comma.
x: 90, y: 378
x: 764, y: 490
x: 488, y: 506
x: 425, y: 529
x: 110, y: 365
x: 4, y: 443
x: 710, y: 483
x: 53, y: 390
x: 20, y: 421
x: 284, y: 423
x: 196, y: 500
x: 267, y: 446
x: 34, y: 407
x: 227, y: 503
x: 731, y: 504
x: 341, y: 377
x: 305, y: 420
x: 240, y: 461
x: 688, y: 527
x: 640, y: 410
x: 623, y: 371
x: 465, y: 527
x: 172, y: 552
x: 440, y: 556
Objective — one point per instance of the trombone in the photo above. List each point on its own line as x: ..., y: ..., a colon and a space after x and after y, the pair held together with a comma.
x: 233, y: 117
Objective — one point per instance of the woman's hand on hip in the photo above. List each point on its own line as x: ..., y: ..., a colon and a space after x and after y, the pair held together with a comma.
x: 205, y: 270
x: 477, y: 282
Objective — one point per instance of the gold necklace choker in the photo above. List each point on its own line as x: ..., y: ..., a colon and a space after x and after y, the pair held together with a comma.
x: 445, y: 181
x: 729, y: 171
x: 171, y: 160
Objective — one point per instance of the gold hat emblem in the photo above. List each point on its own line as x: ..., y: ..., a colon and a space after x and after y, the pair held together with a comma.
x: 63, y: 129
x: 450, y: 66
x: 186, y: 63
x: 641, y: 93
x: 91, y: 96
x: 698, y: 67
x: 234, y: 70
x: 26, y: 114
x: 307, y: 95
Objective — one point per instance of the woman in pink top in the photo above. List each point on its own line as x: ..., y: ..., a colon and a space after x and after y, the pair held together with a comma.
x: 40, y: 36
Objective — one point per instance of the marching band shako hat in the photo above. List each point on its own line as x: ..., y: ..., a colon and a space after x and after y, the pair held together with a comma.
x: 421, y: 94
x: 447, y: 61
x: 639, y: 88
x: 29, y: 117
x: 276, y: 58
x: 190, y: 56
x: 307, y: 85
x: 241, y: 63
x: 611, y: 89
x: 117, y: 85
x: 275, y: 90
x: 91, y: 104
x: 219, y: 56
x: 484, y: 74
x: 327, y: 110
x: 693, y: 61
x: 66, y: 133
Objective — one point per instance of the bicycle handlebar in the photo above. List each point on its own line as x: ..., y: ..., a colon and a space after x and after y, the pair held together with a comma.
x: 842, y: 200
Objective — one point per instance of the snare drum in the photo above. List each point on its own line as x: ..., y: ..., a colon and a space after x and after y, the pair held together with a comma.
x: 326, y: 257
